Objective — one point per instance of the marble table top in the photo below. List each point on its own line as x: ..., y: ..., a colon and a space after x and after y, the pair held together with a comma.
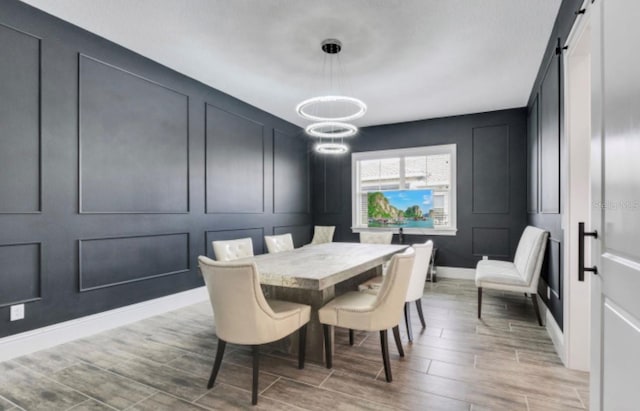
x: 318, y: 266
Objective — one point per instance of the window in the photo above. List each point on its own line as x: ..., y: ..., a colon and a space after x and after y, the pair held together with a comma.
x: 413, y: 188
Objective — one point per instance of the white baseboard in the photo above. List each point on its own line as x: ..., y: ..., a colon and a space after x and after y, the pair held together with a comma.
x: 455, y: 272
x: 52, y: 335
x: 556, y: 334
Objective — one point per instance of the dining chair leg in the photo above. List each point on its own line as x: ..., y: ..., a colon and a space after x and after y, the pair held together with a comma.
x: 396, y: 336
x: 216, y: 363
x: 327, y: 345
x: 256, y: 368
x: 420, y: 314
x: 407, y: 320
x: 302, y: 345
x: 479, y: 301
x: 385, y: 354
x: 534, y: 299
x: 350, y: 336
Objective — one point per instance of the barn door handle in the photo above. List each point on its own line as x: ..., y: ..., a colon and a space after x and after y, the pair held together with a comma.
x: 581, y: 235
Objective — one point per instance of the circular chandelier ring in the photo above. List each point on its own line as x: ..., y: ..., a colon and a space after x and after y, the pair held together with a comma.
x: 361, y: 108
x: 315, y: 129
x: 331, y: 148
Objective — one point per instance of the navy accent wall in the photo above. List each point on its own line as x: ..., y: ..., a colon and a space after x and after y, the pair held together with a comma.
x: 491, y: 178
x: 545, y: 142
x: 117, y: 172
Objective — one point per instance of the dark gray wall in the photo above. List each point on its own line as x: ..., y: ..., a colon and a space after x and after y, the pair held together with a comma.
x: 491, y: 178
x: 116, y: 173
x: 544, y: 147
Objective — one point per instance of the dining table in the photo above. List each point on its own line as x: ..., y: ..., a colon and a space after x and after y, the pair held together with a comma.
x: 314, y: 274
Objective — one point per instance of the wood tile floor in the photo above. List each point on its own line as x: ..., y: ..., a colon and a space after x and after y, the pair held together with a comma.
x: 504, y: 362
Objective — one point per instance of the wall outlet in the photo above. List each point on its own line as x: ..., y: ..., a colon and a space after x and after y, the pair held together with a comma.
x: 17, y: 312
x: 485, y: 257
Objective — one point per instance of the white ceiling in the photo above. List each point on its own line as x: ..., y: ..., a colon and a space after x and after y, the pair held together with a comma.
x: 407, y: 59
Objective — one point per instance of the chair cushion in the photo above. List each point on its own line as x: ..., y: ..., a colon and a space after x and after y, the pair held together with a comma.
x: 336, y: 311
x: 286, y: 307
x: 492, y: 272
x: 372, y: 284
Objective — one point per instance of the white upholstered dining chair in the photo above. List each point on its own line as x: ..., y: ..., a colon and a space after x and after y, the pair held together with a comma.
x: 415, y: 291
x: 521, y: 275
x: 233, y: 249
x: 278, y: 243
x: 243, y: 316
x: 372, y: 312
x: 323, y: 234
x: 369, y: 237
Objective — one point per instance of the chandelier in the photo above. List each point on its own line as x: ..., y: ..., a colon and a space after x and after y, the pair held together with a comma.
x: 331, y: 114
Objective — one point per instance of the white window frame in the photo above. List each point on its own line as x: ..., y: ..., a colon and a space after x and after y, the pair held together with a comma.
x: 406, y: 152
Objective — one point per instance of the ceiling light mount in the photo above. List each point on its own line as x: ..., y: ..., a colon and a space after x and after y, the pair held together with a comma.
x: 331, y: 46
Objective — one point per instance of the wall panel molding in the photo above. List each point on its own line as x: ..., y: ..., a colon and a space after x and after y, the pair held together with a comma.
x: 19, y: 261
x: 491, y: 165
x: 237, y: 184
x: 131, y: 259
x: 291, y: 174
x: 255, y: 233
x: 549, y: 164
x: 125, y: 165
x: 533, y: 158
x: 554, y: 266
x: 20, y: 122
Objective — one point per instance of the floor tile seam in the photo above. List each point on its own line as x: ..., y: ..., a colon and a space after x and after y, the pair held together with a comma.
x: 273, y: 374
x: 155, y: 391
x: 579, y: 398
x: 327, y: 377
x: 12, y: 403
x: 369, y: 400
x: 491, y: 385
x: 270, y: 385
x: 494, y: 374
x: 468, y: 383
x: 78, y: 404
x: 45, y: 376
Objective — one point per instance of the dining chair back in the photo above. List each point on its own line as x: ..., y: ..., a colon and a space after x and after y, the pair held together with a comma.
x: 279, y: 243
x: 323, y: 234
x: 372, y: 312
x: 369, y: 237
x: 230, y: 250
x: 415, y: 291
x: 243, y: 316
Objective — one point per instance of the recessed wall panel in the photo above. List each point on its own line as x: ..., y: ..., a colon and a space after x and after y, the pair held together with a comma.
x: 554, y: 267
x: 19, y: 273
x: 107, y: 262
x: 301, y: 233
x: 532, y: 159
x: 491, y: 169
x: 332, y: 190
x: 492, y: 242
x: 19, y: 122
x: 256, y: 235
x: 234, y: 163
x: 550, y: 140
x: 134, y: 143
x: 290, y: 174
